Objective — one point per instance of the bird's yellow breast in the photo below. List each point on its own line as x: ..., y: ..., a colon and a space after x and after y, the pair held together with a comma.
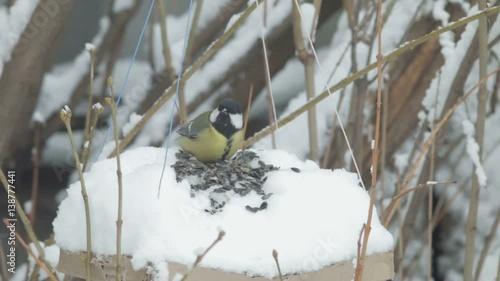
x: 210, y: 145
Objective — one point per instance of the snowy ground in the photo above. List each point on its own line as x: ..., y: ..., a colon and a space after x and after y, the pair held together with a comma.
x: 313, y: 219
x: 308, y: 208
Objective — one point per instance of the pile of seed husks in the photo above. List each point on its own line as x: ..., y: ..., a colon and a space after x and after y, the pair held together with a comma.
x: 242, y: 174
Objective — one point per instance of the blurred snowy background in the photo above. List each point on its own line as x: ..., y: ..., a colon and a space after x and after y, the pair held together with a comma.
x: 44, y: 65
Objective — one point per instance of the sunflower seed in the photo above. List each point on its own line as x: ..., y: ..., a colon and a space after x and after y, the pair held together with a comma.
x: 251, y: 209
x: 240, y: 174
x: 267, y: 196
x: 263, y: 206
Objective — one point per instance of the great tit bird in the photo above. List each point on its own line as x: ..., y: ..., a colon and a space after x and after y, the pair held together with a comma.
x: 214, y: 135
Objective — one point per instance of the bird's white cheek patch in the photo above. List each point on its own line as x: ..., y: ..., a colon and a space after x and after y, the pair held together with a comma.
x: 237, y: 120
x: 213, y: 115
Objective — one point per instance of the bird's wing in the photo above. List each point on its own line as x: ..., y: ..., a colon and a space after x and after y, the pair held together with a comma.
x: 194, y: 127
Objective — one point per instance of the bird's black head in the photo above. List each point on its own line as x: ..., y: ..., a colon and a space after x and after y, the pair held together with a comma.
x: 227, y: 118
x: 229, y: 106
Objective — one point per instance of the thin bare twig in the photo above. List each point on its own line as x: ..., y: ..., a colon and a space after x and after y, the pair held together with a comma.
x: 199, y: 258
x: 187, y: 60
x: 97, y: 110
x: 383, y: 150
x: 317, y: 10
x: 360, y: 236
x: 275, y: 256
x: 429, y: 215
x: 151, y: 40
x: 326, y: 154
x: 28, y: 269
x: 400, y: 249
x: 337, y: 65
x: 494, y: 94
x: 247, y: 114
x: 356, y: 118
x: 482, y: 97
x: 307, y: 58
x: 65, y: 116
x: 36, y: 172
x: 119, y: 221
x: 269, y: 89
x: 375, y: 152
x: 430, y: 195
x: 193, y: 31
x: 86, y: 131
x: 116, y: 44
x: 167, y: 57
x: 405, y: 192
x: 35, y: 273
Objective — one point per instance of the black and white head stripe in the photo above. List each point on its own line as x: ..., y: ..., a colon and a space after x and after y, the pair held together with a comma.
x: 213, y: 116
x: 237, y: 120
x: 227, y: 117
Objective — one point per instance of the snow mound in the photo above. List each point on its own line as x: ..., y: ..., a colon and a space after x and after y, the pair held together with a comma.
x: 313, y: 218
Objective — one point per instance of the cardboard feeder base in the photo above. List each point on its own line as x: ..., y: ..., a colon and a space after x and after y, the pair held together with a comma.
x: 378, y: 267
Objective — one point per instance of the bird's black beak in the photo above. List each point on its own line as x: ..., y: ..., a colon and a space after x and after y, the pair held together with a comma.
x: 223, y: 114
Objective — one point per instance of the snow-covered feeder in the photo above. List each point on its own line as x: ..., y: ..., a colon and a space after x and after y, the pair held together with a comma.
x: 262, y: 200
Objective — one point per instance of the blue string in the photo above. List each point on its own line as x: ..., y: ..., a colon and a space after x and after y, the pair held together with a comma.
x: 179, y: 75
x: 122, y: 89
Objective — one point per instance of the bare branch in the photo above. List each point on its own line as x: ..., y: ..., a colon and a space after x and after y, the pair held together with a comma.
x: 343, y: 83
